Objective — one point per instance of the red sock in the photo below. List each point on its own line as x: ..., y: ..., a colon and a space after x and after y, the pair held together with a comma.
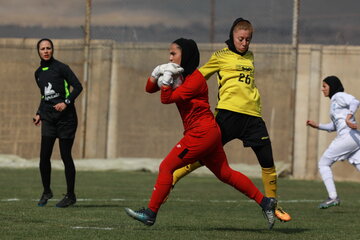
x: 160, y: 192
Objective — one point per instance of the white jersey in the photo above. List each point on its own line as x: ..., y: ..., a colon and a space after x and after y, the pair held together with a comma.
x: 346, y: 145
x: 347, y: 142
x: 341, y: 105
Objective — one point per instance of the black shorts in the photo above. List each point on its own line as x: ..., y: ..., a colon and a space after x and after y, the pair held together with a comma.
x: 249, y: 129
x: 61, y: 125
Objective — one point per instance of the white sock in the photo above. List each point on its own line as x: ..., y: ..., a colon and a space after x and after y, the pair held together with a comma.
x: 332, y: 195
x: 328, y: 180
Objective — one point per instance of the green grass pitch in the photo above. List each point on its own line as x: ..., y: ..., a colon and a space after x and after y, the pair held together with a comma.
x: 200, y: 207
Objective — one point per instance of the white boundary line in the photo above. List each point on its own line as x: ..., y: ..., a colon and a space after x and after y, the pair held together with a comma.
x: 10, y: 200
x: 96, y: 228
x: 173, y: 200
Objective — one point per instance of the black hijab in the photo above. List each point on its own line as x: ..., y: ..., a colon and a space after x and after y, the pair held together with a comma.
x: 230, y: 41
x: 190, y: 56
x: 334, y: 84
x: 43, y: 62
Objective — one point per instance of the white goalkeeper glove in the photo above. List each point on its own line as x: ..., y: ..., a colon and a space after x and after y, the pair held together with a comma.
x: 171, y: 76
x: 174, y: 68
x: 158, y: 71
x: 165, y: 79
x: 174, y: 83
x: 167, y: 74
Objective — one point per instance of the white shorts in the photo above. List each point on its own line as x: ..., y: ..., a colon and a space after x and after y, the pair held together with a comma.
x: 344, y: 147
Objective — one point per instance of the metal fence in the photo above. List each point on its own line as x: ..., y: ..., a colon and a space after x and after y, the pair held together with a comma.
x: 320, y: 22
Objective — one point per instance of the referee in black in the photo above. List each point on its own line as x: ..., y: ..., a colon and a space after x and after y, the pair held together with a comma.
x: 57, y: 117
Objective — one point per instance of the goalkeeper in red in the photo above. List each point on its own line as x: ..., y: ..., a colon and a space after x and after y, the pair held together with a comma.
x: 202, y: 136
x: 238, y: 111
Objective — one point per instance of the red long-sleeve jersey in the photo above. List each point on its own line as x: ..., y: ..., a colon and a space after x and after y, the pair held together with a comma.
x: 201, y: 141
x: 191, y: 99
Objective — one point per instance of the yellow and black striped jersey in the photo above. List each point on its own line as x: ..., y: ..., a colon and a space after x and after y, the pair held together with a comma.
x: 235, y: 76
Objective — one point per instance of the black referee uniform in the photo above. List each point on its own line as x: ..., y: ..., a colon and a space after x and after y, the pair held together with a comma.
x: 54, y: 79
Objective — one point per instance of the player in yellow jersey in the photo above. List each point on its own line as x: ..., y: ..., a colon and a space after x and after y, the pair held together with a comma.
x: 238, y: 111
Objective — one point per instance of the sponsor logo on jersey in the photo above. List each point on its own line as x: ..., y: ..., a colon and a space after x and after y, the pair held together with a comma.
x: 248, y: 69
x: 49, y: 93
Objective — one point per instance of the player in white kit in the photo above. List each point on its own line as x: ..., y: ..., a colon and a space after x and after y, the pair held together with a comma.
x: 346, y: 145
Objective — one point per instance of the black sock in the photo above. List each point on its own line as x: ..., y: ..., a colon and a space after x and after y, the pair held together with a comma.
x: 47, y: 144
x: 264, y: 202
x: 70, y: 172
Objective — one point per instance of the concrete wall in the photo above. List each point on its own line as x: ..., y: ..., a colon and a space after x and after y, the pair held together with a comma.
x: 122, y: 120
